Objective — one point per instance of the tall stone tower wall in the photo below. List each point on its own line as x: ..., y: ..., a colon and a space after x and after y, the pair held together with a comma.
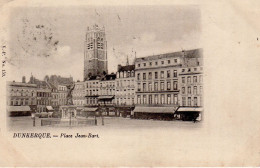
x: 95, y: 54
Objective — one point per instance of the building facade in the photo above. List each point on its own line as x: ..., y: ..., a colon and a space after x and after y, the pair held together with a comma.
x: 21, y: 98
x: 44, y: 99
x: 62, y: 95
x: 107, y: 90
x: 55, y: 97
x: 95, y: 54
x: 92, y: 88
x: 191, y: 85
x: 157, y: 82
x: 125, y: 85
x: 78, y: 94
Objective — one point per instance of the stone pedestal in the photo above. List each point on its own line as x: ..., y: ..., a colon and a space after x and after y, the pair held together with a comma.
x: 68, y: 112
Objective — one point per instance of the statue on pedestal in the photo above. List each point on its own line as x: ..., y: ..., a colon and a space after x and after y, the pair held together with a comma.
x: 69, y: 95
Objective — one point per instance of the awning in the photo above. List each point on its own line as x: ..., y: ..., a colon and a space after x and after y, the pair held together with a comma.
x: 49, y: 108
x: 190, y: 109
x: 80, y: 108
x: 19, y: 108
x: 89, y: 109
x: 105, y: 97
x: 154, y: 109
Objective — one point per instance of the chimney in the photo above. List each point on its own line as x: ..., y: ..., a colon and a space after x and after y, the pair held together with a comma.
x: 119, y: 67
x: 24, y: 79
x: 127, y: 61
x: 183, y: 53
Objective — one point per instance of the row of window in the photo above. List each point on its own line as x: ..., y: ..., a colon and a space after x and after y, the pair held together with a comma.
x: 44, y: 102
x: 195, y: 79
x: 43, y: 94
x: 78, y: 102
x: 156, y: 88
x: 95, y: 101
x: 125, y: 74
x: 62, y: 88
x: 195, y: 90
x: 21, y: 102
x: 91, y: 36
x: 155, y: 76
x: 190, y: 69
x: 158, y: 99
x: 125, y: 94
x: 62, y: 95
x: 191, y: 101
x: 22, y: 94
x: 104, y: 84
x: 163, y: 62
x: 128, y: 83
x: 90, y: 84
x: 102, y: 91
x: 125, y: 101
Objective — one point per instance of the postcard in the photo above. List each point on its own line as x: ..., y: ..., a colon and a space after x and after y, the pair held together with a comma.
x: 130, y: 84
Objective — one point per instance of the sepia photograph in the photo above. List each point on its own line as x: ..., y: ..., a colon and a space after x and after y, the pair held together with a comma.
x: 129, y: 83
x: 125, y: 66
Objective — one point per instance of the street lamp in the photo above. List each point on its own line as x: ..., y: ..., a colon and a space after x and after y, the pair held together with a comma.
x: 33, y: 118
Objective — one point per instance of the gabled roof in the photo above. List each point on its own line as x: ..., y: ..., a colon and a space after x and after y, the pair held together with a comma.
x: 109, y: 77
x: 195, y: 53
x: 126, y: 68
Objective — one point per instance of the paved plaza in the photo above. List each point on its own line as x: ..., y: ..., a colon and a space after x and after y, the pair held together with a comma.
x: 24, y: 123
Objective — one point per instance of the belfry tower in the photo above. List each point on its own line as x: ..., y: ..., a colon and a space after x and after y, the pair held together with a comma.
x: 95, y: 52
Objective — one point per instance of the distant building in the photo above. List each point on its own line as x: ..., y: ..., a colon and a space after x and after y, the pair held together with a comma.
x: 106, y: 98
x: 78, y: 94
x: 157, y: 89
x: 44, y: 99
x: 125, y: 89
x: 58, y: 80
x: 107, y: 89
x: 21, y: 98
x: 125, y: 85
x: 92, y: 88
x: 44, y: 94
x: 62, y: 95
x: 191, y: 85
x: 191, y: 89
x: 55, y: 97
x: 95, y: 54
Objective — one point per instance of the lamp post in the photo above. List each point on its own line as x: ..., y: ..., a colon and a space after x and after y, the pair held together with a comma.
x: 33, y: 118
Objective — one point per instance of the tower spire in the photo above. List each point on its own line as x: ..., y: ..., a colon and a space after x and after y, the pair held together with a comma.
x: 127, y: 61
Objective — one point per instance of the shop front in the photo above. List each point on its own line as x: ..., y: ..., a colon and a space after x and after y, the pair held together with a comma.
x: 157, y: 113
x: 89, y: 112
x: 188, y: 113
x: 19, y: 111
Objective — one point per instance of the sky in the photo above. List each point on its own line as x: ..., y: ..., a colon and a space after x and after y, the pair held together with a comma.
x: 50, y: 40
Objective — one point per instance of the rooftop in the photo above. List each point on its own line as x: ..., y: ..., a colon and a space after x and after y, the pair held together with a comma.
x: 109, y: 77
x: 21, y: 84
x: 195, y: 53
x: 126, y: 68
